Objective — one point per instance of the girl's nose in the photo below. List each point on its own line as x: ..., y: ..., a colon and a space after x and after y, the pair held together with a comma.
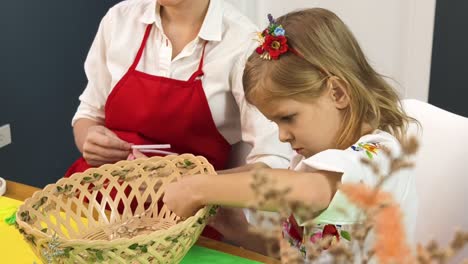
x: 284, y: 135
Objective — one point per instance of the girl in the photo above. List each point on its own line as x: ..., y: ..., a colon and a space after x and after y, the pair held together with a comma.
x: 310, y: 77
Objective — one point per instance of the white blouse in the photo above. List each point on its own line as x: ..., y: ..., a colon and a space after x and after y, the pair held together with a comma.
x: 231, y: 39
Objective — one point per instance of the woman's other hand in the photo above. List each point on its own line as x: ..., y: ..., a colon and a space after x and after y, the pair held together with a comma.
x: 102, y: 146
x: 231, y: 222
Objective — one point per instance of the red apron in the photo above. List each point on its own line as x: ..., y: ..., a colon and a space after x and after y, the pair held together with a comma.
x: 148, y: 109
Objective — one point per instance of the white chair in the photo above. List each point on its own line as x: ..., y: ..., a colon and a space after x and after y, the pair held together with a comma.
x: 441, y: 173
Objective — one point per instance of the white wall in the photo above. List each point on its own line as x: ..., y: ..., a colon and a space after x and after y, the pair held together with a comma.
x: 396, y: 35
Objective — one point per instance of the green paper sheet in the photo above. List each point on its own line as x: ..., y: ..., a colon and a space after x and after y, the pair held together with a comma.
x: 201, y: 255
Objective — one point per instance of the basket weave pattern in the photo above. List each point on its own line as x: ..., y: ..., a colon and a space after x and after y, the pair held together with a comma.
x: 76, y: 220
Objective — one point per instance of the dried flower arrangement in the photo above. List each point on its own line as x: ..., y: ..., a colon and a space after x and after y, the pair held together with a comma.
x: 382, y: 214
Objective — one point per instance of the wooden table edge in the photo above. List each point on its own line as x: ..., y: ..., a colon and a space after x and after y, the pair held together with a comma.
x: 19, y: 191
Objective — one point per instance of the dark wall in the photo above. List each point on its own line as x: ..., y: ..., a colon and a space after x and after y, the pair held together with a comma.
x: 449, y: 85
x: 42, y: 49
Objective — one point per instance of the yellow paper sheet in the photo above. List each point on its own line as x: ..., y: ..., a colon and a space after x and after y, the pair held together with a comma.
x: 13, y: 248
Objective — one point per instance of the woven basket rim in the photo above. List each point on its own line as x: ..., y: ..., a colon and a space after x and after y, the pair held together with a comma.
x: 79, y: 241
x: 70, y: 242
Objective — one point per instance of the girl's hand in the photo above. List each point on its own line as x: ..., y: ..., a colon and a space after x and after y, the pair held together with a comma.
x: 102, y: 146
x: 181, y: 197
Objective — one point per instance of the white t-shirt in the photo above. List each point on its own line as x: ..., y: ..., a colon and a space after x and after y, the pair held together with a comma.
x: 401, y: 184
x: 231, y: 39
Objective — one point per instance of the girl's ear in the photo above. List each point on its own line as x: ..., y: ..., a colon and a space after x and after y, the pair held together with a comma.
x: 338, y: 91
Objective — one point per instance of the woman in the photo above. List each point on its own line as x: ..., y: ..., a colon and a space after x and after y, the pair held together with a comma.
x: 170, y: 72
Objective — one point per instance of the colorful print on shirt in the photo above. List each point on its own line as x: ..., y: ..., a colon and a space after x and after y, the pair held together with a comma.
x: 369, y: 148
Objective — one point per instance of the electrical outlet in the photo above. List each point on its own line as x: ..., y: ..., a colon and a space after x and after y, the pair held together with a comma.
x: 5, y: 135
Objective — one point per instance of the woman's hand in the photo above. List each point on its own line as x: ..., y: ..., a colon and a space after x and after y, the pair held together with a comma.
x: 231, y: 222
x: 182, y: 198
x: 136, y: 154
x: 102, y: 146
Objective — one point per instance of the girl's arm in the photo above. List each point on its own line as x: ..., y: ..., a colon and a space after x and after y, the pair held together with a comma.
x: 186, y: 196
x: 245, y: 168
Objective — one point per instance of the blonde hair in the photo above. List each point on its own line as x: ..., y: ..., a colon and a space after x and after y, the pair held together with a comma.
x: 327, y: 50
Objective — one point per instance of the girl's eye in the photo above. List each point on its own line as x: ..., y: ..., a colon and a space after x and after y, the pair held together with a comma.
x: 287, y: 118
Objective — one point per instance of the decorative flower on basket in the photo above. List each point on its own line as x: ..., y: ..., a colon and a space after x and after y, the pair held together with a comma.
x: 77, y: 220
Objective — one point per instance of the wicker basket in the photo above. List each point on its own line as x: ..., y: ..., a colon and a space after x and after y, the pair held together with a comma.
x: 77, y: 220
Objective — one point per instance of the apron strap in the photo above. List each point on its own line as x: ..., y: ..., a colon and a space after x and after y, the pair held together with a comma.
x: 142, y: 47
x: 199, y: 71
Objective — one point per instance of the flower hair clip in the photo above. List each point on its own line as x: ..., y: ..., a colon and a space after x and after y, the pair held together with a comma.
x: 273, y: 41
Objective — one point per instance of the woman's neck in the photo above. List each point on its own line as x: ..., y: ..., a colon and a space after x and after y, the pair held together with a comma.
x: 190, y: 12
x: 181, y: 23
